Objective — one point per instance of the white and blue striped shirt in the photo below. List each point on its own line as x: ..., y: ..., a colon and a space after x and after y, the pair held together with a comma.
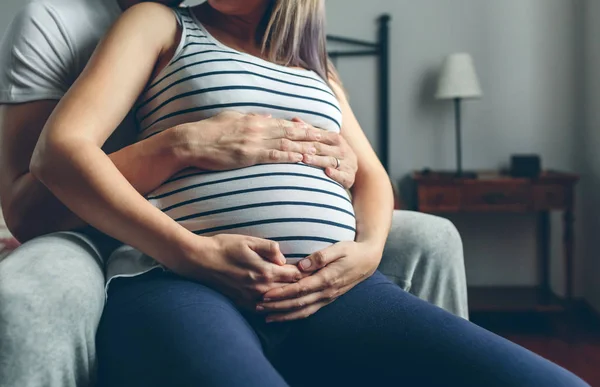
x: 295, y: 204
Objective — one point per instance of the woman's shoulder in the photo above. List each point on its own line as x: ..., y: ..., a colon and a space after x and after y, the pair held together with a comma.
x: 149, y: 10
x: 148, y: 23
x: 152, y: 15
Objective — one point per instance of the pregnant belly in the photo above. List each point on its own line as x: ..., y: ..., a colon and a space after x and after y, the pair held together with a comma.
x: 294, y: 204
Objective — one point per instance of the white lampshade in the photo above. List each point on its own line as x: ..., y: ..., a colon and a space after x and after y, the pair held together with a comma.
x: 458, y: 78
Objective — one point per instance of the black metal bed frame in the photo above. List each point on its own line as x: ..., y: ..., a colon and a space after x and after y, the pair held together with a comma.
x: 380, y: 49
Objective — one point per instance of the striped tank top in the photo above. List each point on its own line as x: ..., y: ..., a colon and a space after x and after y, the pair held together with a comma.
x: 295, y: 204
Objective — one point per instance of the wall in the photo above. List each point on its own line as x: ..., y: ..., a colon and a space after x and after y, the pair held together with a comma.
x: 524, y: 54
x: 589, y: 146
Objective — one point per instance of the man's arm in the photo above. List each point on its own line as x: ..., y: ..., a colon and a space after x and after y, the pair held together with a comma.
x: 30, y: 209
x: 36, y: 64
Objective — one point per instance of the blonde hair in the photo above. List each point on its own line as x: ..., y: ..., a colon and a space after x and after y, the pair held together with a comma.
x: 294, y: 35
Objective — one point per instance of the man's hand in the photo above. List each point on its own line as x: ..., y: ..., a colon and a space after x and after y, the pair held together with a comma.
x: 232, y: 140
x: 241, y: 267
x: 337, y: 269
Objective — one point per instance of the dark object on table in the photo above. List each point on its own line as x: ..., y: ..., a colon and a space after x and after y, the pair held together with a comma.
x: 525, y: 166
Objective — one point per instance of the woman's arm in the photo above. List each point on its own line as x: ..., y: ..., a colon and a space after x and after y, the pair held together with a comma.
x: 372, y: 194
x: 68, y: 158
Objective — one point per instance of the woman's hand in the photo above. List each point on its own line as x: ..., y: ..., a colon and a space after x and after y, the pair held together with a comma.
x: 337, y: 269
x: 327, y: 156
x: 233, y: 140
x: 241, y: 267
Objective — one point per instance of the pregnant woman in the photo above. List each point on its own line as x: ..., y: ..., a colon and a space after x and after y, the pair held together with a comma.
x: 171, y: 317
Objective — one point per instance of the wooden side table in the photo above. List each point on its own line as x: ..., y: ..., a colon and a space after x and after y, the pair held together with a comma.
x: 492, y: 192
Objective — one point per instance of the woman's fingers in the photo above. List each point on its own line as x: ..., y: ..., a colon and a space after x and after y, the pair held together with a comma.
x: 268, y: 250
x: 344, y: 175
x: 298, y: 314
x: 315, y: 283
x: 289, y: 305
x: 266, y: 272
x: 345, y: 178
x: 320, y: 300
x: 266, y: 276
x: 322, y: 258
x: 283, y: 274
x: 309, y: 309
x: 292, y: 141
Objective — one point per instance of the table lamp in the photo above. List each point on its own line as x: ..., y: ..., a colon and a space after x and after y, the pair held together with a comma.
x: 458, y: 81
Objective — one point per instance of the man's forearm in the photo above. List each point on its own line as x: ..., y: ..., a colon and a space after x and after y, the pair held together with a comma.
x: 149, y: 163
x: 32, y: 210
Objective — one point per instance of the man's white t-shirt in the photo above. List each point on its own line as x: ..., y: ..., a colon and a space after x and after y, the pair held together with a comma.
x: 47, y: 46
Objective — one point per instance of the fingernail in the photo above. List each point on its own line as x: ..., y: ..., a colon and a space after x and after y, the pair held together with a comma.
x: 305, y: 264
x: 269, y: 320
x: 259, y: 308
x: 266, y: 299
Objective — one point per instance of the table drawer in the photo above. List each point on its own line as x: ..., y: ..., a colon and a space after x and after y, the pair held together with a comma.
x: 496, y: 197
x: 439, y: 198
x: 549, y: 197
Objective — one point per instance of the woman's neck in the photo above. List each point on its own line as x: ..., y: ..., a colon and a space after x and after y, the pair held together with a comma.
x: 244, y: 29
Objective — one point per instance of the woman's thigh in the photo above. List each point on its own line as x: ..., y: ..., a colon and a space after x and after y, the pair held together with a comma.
x: 162, y: 330
x: 380, y: 334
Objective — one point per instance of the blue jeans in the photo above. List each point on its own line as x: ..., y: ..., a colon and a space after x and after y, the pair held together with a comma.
x: 159, y: 329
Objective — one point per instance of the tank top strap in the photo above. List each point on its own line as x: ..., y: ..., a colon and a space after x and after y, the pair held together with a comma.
x: 182, y: 15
